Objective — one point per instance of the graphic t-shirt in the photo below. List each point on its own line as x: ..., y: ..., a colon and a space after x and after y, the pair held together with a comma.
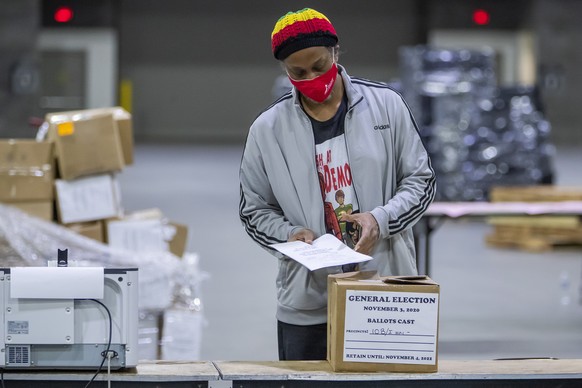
x: 335, y: 175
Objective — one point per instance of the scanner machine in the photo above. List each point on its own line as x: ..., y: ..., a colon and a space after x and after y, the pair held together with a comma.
x: 68, y: 317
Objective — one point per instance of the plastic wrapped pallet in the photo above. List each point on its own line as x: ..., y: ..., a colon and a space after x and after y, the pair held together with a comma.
x: 478, y: 135
x: 148, y: 336
x: 182, y: 334
x: 183, y: 322
x: 31, y: 241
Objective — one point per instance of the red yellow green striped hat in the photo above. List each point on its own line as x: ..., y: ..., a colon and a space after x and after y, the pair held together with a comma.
x: 298, y: 30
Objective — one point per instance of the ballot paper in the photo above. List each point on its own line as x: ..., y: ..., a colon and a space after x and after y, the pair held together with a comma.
x: 326, y: 251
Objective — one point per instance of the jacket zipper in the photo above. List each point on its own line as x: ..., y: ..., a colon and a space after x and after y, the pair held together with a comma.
x: 346, y: 119
x: 314, y: 164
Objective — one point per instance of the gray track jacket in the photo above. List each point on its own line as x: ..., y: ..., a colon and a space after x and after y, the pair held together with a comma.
x: 280, y: 193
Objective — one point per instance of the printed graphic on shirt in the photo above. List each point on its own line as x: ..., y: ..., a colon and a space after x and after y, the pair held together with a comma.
x: 335, y: 179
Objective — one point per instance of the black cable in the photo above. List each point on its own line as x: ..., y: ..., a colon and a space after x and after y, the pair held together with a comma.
x: 2, y: 377
x: 106, y: 353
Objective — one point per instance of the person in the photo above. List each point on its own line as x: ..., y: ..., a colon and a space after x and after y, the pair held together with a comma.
x: 361, y: 136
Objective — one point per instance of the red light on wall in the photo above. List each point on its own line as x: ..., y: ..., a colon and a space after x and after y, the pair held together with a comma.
x: 63, y: 15
x: 480, y: 17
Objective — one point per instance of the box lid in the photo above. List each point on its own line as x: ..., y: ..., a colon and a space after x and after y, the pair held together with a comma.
x: 58, y: 117
x: 372, y: 277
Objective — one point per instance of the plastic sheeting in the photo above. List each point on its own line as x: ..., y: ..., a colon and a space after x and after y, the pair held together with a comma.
x: 165, y: 280
x: 182, y: 334
x: 478, y: 134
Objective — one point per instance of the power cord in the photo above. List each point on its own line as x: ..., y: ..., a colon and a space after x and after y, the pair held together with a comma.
x: 106, y: 354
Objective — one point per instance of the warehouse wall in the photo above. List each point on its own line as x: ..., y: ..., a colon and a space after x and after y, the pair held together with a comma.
x: 18, y: 76
x: 559, y: 33
x: 204, y: 70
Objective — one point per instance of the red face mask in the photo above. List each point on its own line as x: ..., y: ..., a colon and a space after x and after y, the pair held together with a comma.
x: 318, y: 88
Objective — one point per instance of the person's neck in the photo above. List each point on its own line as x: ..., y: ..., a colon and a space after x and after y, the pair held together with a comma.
x: 327, y: 109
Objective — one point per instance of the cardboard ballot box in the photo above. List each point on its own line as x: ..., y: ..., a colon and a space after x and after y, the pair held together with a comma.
x: 382, y: 324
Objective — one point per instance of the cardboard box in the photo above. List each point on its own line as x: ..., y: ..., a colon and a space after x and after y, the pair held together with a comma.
x: 147, y: 231
x: 88, y: 199
x: 85, y: 144
x: 124, y: 125
x: 91, y: 229
x: 179, y: 241
x: 26, y: 170
x: 40, y: 209
x: 382, y: 324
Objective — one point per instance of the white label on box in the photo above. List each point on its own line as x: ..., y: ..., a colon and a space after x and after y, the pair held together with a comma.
x: 391, y: 327
x: 138, y: 235
x: 87, y: 199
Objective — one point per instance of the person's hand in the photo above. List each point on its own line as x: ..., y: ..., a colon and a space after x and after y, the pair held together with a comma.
x: 370, y: 231
x: 305, y: 235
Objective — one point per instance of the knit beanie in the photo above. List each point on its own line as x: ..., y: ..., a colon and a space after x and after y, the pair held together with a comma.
x: 298, y: 30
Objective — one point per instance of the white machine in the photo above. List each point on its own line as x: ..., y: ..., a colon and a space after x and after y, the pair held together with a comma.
x: 68, y: 317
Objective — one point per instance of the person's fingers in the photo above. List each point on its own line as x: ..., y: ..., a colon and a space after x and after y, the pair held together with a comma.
x: 348, y: 218
x: 305, y: 235
x: 368, y: 232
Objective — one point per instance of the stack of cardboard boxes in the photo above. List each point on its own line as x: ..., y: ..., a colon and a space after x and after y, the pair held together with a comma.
x: 88, y: 153
x: 69, y: 177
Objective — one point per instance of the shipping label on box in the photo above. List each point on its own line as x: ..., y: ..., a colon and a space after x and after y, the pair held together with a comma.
x: 88, y: 199
x: 147, y: 235
x: 138, y: 235
x: 382, y: 324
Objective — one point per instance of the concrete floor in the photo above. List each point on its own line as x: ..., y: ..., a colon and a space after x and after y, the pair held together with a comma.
x: 494, y: 303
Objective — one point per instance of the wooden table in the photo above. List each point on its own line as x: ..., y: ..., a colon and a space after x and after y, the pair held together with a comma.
x: 438, y: 212
x: 151, y: 374
x: 537, y: 373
